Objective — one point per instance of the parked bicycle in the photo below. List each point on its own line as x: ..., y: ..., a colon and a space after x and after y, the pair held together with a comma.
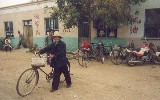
x: 120, y: 53
x: 28, y: 80
x: 89, y: 51
x: 72, y: 55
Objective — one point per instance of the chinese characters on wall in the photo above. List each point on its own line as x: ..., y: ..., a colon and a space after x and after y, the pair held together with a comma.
x: 135, y: 21
x: 37, y: 23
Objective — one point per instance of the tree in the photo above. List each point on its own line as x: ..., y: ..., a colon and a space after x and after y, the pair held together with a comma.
x: 108, y: 13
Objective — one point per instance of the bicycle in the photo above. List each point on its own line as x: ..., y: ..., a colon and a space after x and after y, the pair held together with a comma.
x: 94, y: 51
x: 31, y: 76
x: 108, y: 47
x: 120, y: 53
x: 72, y: 55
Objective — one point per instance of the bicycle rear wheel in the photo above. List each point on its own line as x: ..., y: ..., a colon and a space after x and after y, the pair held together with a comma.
x: 115, y: 57
x: 102, y: 59
x: 27, y: 82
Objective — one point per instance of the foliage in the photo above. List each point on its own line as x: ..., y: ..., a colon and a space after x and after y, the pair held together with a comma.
x: 2, y: 41
x: 106, y: 12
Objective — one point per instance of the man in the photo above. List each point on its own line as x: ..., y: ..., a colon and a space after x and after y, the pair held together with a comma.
x: 7, y: 44
x: 49, y: 38
x: 20, y: 39
x: 59, y: 61
x: 48, y: 41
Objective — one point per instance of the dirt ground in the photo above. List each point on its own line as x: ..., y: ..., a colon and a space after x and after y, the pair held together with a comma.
x: 97, y: 82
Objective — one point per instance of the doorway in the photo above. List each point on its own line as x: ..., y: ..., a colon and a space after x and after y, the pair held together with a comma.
x: 83, y: 32
x: 28, y: 32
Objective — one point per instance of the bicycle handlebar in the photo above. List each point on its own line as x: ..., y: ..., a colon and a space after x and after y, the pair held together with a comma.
x: 37, y: 53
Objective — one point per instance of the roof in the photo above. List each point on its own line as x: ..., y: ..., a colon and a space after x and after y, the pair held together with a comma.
x: 29, y: 3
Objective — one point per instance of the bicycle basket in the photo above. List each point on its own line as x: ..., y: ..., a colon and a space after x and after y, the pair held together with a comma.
x: 38, y: 62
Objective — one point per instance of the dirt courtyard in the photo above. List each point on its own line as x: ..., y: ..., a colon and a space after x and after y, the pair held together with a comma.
x: 97, y: 82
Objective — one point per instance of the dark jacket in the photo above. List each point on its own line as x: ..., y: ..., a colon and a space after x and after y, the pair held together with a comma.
x: 59, y: 50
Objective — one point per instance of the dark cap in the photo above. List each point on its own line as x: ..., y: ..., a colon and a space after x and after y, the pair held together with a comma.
x: 51, y: 30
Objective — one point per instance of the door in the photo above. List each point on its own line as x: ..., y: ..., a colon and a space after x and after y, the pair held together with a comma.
x: 28, y: 32
x: 83, y: 33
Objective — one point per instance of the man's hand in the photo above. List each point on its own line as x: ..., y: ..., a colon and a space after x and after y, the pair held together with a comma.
x: 37, y: 53
x: 51, y: 55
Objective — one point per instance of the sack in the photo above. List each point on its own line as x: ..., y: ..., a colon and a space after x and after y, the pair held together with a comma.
x: 38, y: 62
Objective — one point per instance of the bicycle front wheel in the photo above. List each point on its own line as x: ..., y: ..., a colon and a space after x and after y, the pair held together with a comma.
x: 102, y: 59
x: 27, y: 82
x: 116, y: 58
x: 82, y: 59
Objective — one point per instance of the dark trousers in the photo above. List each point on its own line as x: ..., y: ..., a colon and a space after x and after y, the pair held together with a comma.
x: 8, y: 47
x: 57, y: 74
x: 19, y: 44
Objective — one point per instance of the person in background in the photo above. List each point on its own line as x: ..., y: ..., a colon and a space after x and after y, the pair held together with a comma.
x: 48, y: 41
x: 49, y: 38
x: 20, y: 39
x: 7, y: 44
x: 59, y: 61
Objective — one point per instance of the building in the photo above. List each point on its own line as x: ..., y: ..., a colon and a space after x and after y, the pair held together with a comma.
x: 34, y: 21
x: 145, y: 23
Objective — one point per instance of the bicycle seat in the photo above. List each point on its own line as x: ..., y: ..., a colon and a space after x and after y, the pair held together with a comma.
x: 86, y: 44
x: 87, y: 49
x: 137, y: 49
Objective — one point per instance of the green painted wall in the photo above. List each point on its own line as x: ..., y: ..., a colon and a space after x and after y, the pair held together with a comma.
x: 14, y: 41
x: 114, y: 41
x: 110, y: 41
x: 40, y: 41
x: 72, y: 43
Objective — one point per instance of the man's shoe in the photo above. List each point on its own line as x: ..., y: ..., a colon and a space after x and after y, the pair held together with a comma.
x: 53, y: 90
x: 68, y: 86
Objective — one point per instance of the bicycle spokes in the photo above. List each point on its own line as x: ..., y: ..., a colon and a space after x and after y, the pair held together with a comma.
x: 27, y: 82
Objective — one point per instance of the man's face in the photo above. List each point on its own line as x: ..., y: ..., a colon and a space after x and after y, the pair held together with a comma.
x: 51, y: 33
x: 56, y: 38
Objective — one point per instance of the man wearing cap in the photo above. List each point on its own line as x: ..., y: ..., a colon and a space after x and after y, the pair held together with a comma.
x: 48, y: 38
x: 48, y: 41
x: 59, y: 61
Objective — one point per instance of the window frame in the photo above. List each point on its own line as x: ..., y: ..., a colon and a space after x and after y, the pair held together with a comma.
x: 9, y: 30
x: 149, y: 29
x: 52, y: 24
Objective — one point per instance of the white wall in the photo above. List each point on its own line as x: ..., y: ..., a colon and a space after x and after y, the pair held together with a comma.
x: 27, y: 7
x: 141, y: 17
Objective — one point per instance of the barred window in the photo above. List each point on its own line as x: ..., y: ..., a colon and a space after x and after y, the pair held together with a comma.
x: 51, y: 24
x: 152, y: 23
x: 9, y: 28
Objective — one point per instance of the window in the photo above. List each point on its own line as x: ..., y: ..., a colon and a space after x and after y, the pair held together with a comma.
x: 84, y: 30
x: 51, y: 24
x: 108, y: 32
x: 152, y: 24
x: 8, y: 28
x: 102, y: 30
x: 27, y: 22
